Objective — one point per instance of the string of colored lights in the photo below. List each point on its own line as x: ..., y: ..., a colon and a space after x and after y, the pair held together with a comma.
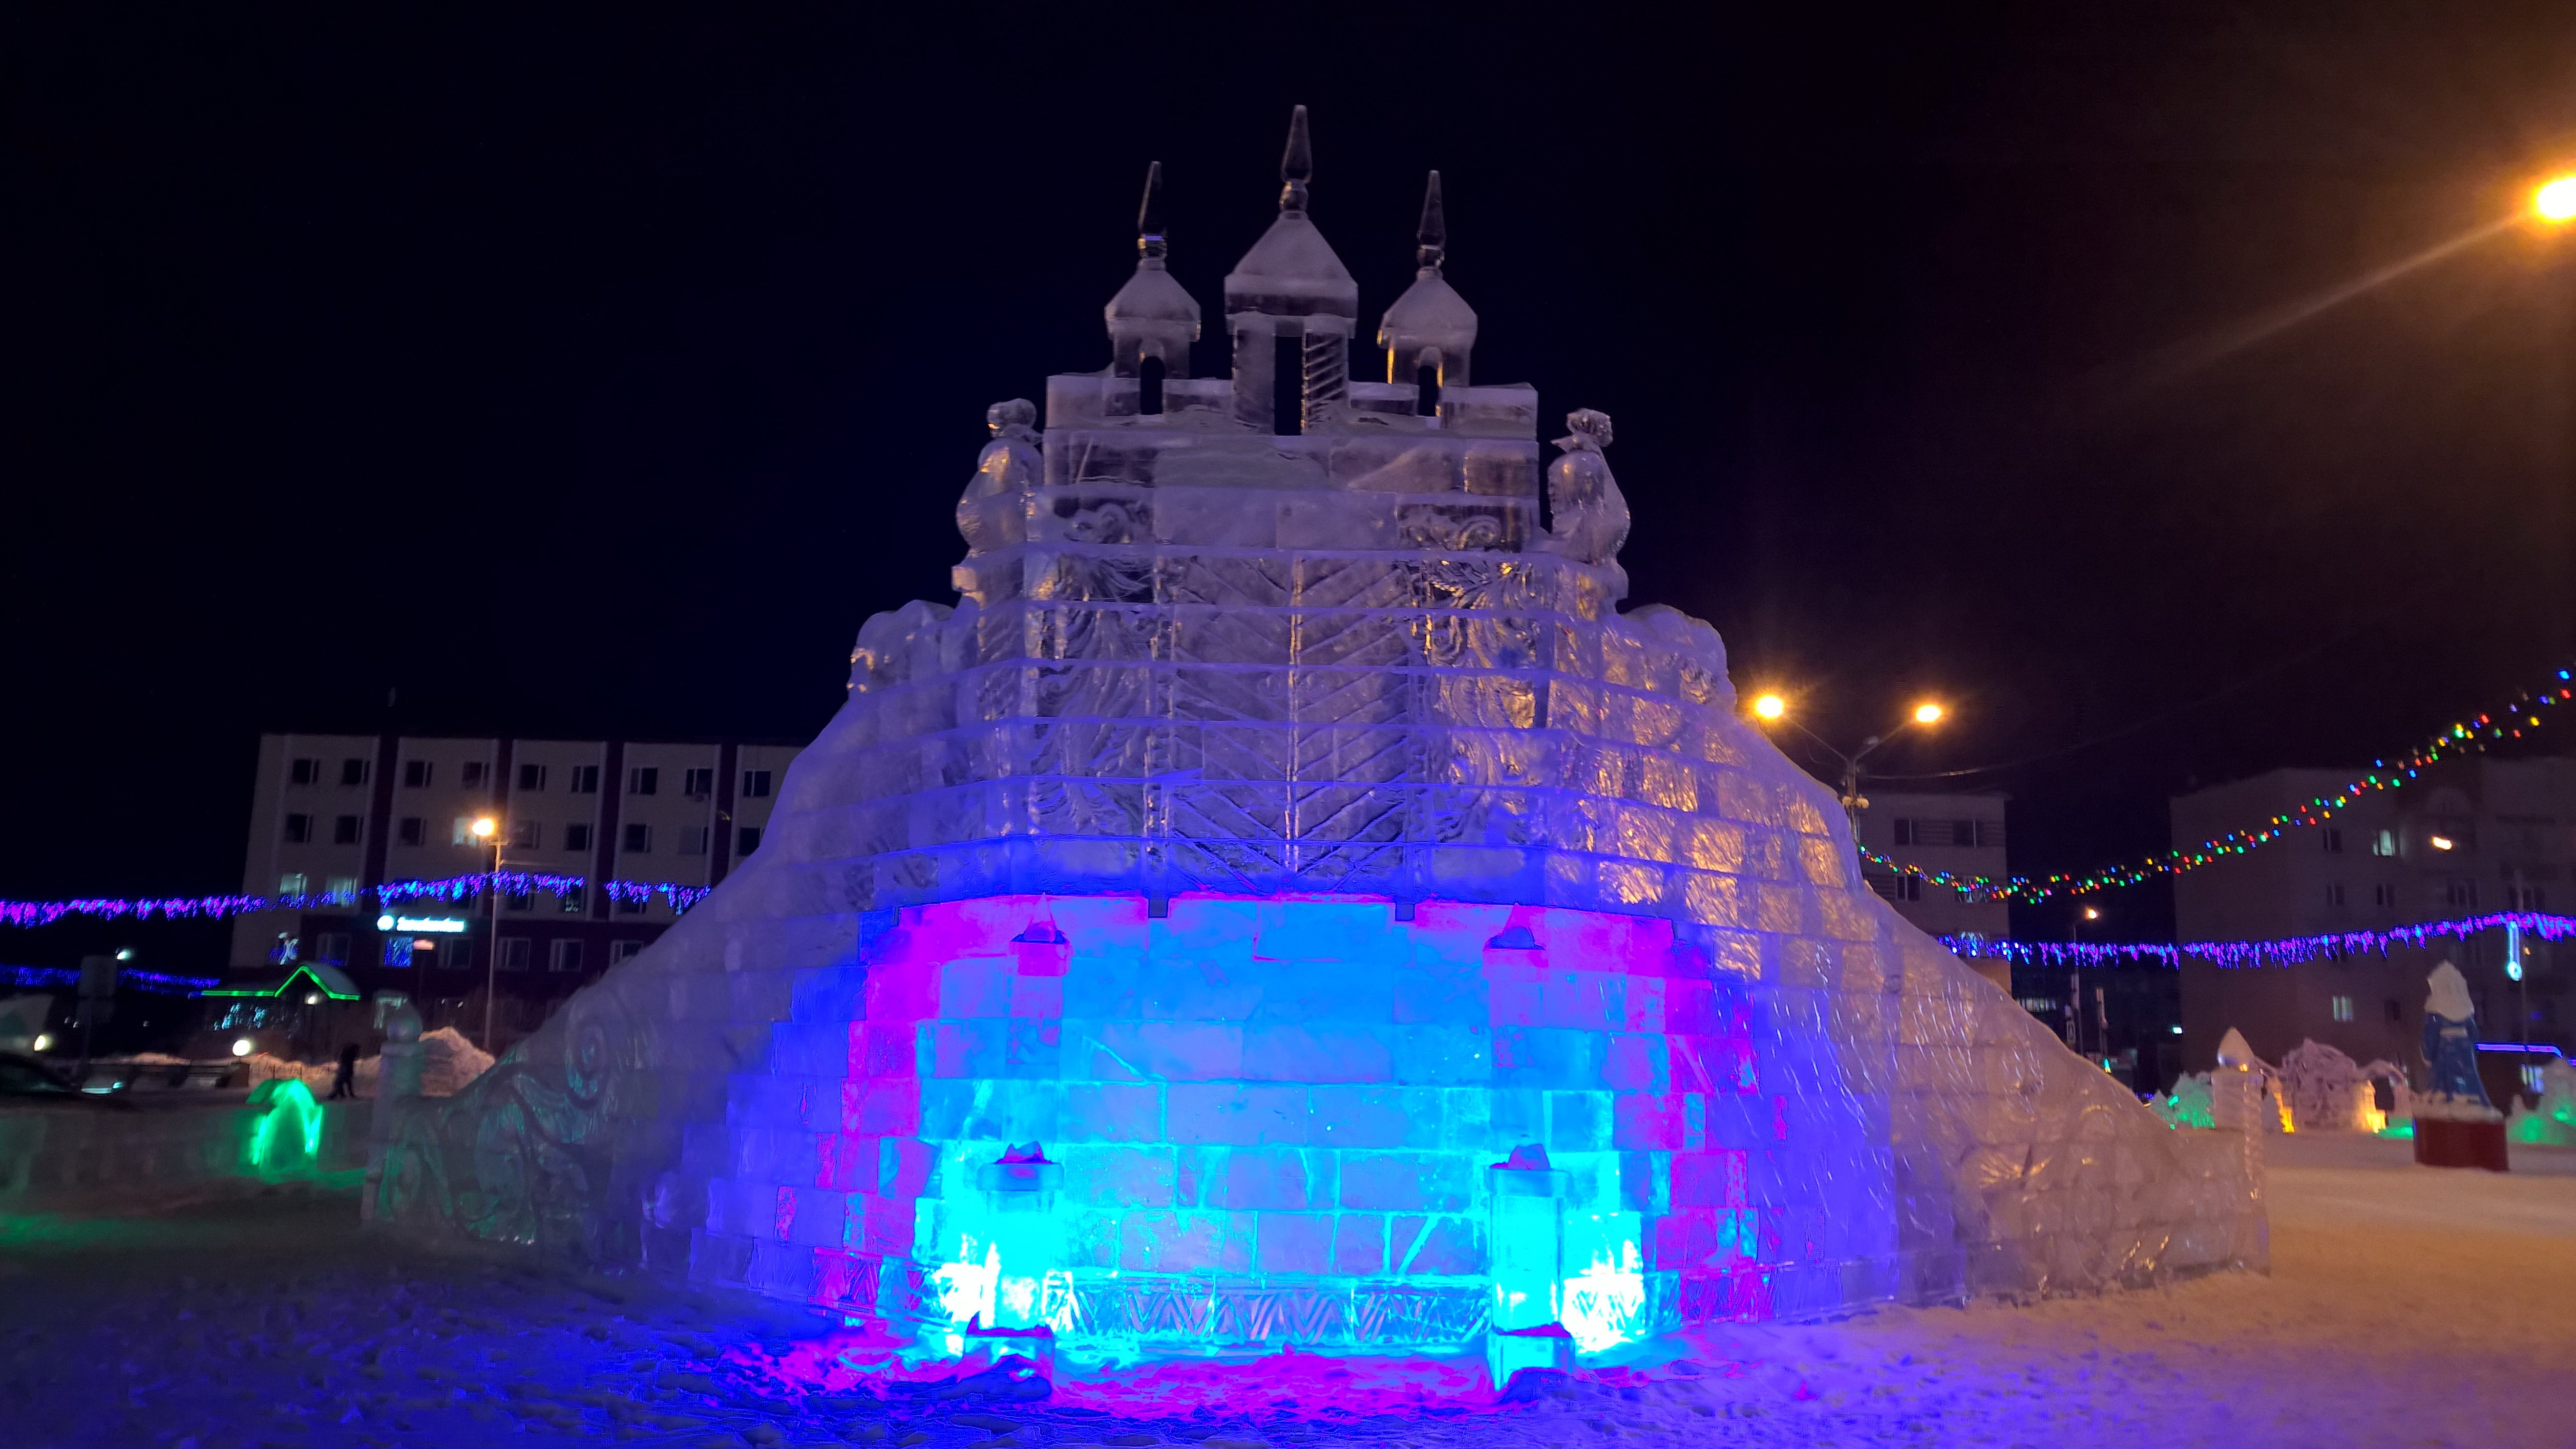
x: 452, y: 889
x: 2287, y: 951
x: 2473, y: 734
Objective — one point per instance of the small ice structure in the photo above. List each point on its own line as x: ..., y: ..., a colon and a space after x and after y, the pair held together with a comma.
x: 1284, y: 902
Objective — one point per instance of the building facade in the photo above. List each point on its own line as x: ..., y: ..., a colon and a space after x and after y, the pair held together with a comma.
x: 338, y: 815
x: 1961, y: 834
x: 2469, y: 837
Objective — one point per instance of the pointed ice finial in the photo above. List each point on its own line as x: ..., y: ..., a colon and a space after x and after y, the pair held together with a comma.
x: 1430, y: 326
x: 1149, y: 214
x: 1153, y: 316
x: 1297, y: 166
x: 1432, y: 237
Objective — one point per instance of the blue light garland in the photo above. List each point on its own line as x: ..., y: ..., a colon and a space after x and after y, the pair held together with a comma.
x: 2287, y: 951
x: 452, y: 889
x: 158, y: 983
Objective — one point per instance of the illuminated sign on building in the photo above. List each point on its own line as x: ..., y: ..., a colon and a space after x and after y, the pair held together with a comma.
x: 422, y: 925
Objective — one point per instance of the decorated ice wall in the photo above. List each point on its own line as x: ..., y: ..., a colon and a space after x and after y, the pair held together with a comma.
x: 1285, y: 901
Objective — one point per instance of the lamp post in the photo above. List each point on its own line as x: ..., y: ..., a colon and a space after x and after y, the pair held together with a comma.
x: 2075, y: 981
x: 1774, y: 709
x: 488, y: 830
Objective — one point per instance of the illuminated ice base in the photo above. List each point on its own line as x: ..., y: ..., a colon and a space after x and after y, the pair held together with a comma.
x: 1068, y: 1128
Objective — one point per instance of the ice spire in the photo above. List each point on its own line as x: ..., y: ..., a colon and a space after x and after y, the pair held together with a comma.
x: 1430, y: 326
x: 1431, y: 238
x: 1291, y: 285
x: 1153, y: 316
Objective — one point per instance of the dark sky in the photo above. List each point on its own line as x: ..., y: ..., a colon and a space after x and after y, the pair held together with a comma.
x: 589, y: 377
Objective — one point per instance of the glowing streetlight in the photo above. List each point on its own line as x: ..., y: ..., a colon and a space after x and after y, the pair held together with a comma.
x: 484, y: 827
x: 1770, y: 706
x: 2092, y: 913
x: 2554, y: 200
x: 1928, y: 713
x: 2442, y: 842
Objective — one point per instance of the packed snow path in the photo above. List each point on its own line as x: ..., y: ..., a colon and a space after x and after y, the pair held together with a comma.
x: 2405, y: 1307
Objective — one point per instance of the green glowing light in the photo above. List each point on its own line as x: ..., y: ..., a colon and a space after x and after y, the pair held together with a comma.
x: 292, y: 1120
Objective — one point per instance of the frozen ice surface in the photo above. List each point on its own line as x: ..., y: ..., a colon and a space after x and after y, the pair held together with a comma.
x: 1281, y: 834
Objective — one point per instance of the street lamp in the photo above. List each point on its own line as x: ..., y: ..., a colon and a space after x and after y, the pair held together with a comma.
x: 1772, y: 709
x: 488, y: 831
x: 2554, y: 200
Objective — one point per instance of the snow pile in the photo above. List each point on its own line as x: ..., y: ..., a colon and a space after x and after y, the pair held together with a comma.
x: 448, y: 1063
x: 2444, y: 1107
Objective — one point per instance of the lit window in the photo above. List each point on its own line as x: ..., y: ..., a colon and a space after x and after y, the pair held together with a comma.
x: 2342, y: 1008
x: 464, y: 834
x: 291, y: 884
x: 2384, y: 843
x: 571, y: 900
x: 341, y: 887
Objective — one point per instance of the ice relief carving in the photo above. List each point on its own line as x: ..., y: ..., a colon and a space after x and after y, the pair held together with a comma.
x: 1589, y: 514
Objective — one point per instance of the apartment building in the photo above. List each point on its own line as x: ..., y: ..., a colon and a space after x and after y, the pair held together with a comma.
x: 2469, y: 837
x: 339, y: 814
x: 1961, y: 834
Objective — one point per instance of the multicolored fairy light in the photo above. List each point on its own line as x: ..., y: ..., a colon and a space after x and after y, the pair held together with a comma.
x: 2510, y: 722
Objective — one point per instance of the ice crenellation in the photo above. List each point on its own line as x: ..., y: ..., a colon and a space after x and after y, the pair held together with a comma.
x: 1288, y: 835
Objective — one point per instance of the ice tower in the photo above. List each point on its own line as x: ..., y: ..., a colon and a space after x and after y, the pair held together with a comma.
x: 1284, y: 901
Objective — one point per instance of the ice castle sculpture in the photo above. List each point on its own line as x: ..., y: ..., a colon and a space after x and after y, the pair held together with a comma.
x: 1284, y: 902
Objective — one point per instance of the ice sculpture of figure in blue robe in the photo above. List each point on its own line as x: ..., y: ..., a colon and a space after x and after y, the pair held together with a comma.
x: 2451, y: 1037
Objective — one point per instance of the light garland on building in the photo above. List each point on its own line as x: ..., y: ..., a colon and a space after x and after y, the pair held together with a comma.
x: 156, y: 982
x: 452, y: 889
x: 2287, y: 951
x: 2476, y: 733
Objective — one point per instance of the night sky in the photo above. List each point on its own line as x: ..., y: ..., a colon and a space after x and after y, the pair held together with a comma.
x: 582, y: 377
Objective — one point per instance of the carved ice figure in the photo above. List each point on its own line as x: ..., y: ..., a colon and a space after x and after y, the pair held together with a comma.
x: 1589, y: 515
x: 1010, y: 463
x: 2451, y: 1043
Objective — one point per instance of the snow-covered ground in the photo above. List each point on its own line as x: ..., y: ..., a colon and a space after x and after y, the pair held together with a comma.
x: 2405, y: 1306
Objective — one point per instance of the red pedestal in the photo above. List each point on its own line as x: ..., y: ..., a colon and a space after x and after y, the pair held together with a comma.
x: 2460, y: 1144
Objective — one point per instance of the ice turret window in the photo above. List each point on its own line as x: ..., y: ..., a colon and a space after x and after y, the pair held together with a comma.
x: 1149, y: 388
x: 1426, y: 391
